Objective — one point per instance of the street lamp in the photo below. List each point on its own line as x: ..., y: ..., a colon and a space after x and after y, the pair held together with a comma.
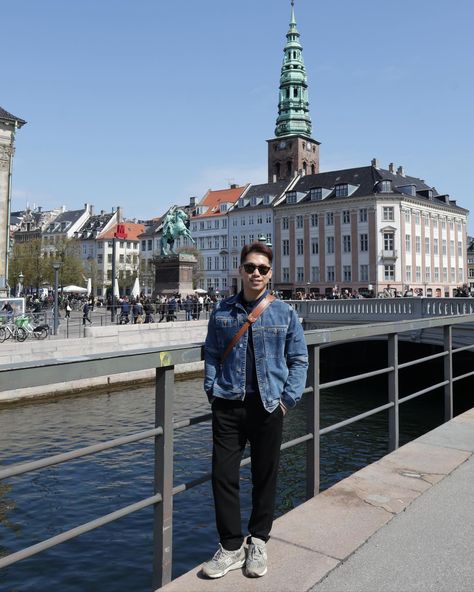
x: 20, y: 282
x: 56, y: 267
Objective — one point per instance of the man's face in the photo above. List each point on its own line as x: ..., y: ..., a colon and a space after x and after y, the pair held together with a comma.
x: 254, y: 281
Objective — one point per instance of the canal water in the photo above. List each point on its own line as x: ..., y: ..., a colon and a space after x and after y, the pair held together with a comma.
x: 118, y: 557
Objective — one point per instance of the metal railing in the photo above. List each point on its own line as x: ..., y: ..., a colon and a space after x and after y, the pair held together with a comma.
x: 51, y: 371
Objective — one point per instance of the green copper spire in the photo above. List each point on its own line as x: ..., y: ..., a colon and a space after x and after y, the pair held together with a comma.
x: 293, y: 107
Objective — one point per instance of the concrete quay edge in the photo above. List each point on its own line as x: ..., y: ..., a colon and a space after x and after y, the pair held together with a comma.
x: 312, y: 541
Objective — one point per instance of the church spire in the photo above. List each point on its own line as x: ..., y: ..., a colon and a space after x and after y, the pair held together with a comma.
x: 293, y: 106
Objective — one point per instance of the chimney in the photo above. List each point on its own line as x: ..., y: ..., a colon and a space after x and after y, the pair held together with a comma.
x: 375, y: 163
x: 102, y: 212
x: 400, y: 171
x: 91, y: 210
x: 192, y: 201
x: 391, y: 168
x: 233, y: 185
x: 119, y: 214
x: 274, y: 178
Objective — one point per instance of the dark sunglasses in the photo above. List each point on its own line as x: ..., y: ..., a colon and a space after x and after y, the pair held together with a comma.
x: 251, y: 267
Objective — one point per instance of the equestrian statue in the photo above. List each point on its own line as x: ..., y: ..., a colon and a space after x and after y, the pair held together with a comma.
x: 176, y: 224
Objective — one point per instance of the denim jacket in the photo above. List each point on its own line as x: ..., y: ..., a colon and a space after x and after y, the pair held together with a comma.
x: 281, y: 355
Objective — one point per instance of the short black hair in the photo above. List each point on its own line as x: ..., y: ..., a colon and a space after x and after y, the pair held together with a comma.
x: 256, y: 247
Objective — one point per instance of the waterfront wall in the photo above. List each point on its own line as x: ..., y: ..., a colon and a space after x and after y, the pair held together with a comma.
x: 98, y: 340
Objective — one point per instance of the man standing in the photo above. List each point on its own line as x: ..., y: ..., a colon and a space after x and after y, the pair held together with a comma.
x: 251, y: 387
x: 85, y: 313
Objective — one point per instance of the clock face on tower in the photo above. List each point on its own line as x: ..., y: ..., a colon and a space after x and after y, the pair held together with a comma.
x: 282, y: 145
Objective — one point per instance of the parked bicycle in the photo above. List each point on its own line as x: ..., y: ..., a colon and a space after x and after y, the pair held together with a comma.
x: 13, y: 331
x: 39, y: 331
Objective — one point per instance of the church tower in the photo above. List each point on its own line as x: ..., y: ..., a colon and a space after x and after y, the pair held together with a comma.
x: 293, y: 149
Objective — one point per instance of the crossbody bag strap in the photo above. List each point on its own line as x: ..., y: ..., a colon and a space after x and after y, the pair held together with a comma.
x: 250, y: 320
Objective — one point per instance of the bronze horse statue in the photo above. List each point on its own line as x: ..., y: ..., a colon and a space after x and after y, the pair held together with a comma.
x: 175, y: 225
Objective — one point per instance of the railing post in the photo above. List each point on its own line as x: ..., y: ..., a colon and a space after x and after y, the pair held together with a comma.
x: 448, y: 372
x: 393, y: 412
x: 312, y: 425
x: 163, y: 512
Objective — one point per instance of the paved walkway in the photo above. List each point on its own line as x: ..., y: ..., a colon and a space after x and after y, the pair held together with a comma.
x: 404, y: 524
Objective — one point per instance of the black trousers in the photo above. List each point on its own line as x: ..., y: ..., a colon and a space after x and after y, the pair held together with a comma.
x: 233, y: 424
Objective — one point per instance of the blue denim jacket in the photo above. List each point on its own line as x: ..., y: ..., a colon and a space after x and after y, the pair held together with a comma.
x: 281, y: 355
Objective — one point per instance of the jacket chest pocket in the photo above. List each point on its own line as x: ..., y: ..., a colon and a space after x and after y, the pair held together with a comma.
x: 274, y: 341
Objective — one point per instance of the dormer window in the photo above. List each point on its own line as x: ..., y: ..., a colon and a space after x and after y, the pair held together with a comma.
x: 291, y: 197
x: 241, y: 202
x: 385, y: 186
x: 223, y: 208
x: 253, y: 201
x: 407, y: 189
x: 342, y: 190
x: 316, y: 194
x: 266, y: 199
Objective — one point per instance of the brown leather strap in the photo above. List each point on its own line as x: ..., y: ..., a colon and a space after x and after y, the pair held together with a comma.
x: 252, y: 317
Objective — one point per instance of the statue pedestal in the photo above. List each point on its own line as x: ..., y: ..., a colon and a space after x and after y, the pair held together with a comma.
x: 174, y: 274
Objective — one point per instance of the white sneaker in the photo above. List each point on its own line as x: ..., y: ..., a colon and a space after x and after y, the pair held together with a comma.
x: 224, y: 561
x: 256, y: 563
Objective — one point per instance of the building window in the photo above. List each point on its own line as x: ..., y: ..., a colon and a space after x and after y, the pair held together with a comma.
x: 435, y: 246
x: 346, y: 243
x: 407, y: 243
x: 459, y: 248
x: 299, y: 246
x: 143, y: 245
x: 299, y: 221
x: 314, y: 246
x: 250, y: 220
x: 316, y: 194
x: 286, y: 247
x: 385, y: 186
x: 388, y: 241
x: 234, y: 221
x: 364, y: 242
x: 427, y: 245
x: 269, y: 238
x: 235, y: 262
x: 300, y: 274
x: 329, y: 218
x: 417, y: 244
x: 235, y: 241
x: 208, y: 224
x: 407, y: 216
x: 216, y: 242
x: 291, y: 197
x: 268, y: 218
x: 388, y: 214
x: 242, y: 240
x: 242, y: 221
x: 408, y: 273
x: 284, y: 223
x: 389, y: 272
x: 445, y: 246
x: 347, y: 273
x: 363, y: 273
x: 346, y: 217
x: 417, y: 218
x: 329, y: 244
x: 363, y: 215
x: 436, y: 274
x: 314, y: 220
x: 418, y: 273
x: 259, y: 219
x: 251, y: 238
x: 342, y: 190
x: 224, y: 223
x: 286, y: 274
x: 330, y: 273
x: 315, y: 274
x: 428, y: 273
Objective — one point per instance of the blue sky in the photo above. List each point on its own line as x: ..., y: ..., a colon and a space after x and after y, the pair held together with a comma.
x: 144, y: 103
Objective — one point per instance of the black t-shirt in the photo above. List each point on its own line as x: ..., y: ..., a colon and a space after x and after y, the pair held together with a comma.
x: 251, y: 383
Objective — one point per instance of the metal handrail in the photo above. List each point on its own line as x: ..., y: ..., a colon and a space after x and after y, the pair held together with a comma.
x: 37, y: 373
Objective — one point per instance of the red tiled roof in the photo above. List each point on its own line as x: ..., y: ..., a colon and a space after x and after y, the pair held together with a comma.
x: 132, y: 231
x: 213, y: 199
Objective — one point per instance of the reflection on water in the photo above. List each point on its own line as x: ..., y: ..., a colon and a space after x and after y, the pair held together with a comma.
x: 118, y: 557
